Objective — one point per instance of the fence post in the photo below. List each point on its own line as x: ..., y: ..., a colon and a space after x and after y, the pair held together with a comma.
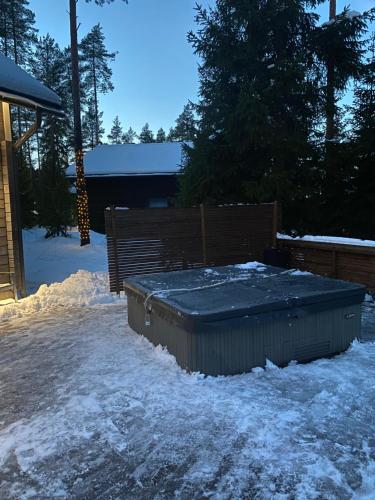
x: 275, y: 223
x: 334, y: 263
x: 204, y: 233
x: 115, y: 251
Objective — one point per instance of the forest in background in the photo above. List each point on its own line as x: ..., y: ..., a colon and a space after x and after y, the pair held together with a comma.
x: 270, y: 121
x: 273, y: 124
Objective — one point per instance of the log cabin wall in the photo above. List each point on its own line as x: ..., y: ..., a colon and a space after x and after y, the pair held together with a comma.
x: 11, y: 255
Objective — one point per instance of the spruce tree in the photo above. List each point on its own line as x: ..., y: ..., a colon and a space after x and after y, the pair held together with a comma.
x: 259, y: 106
x: 361, y: 221
x: 116, y: 134
x: 129, y: 136
x: 341, y: 44
x: 161, y: 135
x: 185, y: 129
x: 96, y: 74
x: 146, y: 134
x: 54, y: 203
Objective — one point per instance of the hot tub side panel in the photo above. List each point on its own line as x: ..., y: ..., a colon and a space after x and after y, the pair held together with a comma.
x: 163, y: 330
x: 237, y: 345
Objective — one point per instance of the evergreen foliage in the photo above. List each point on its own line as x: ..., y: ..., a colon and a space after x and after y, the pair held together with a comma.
x: 96, y: 77
x: 54, y: 201
x: 116, y: 134
x: 185, y: 129
x: 146, y: 134
x: 161, y: 135
x: 129, y: 136
x: 26, y: 189
x: 264, y: 102
x: 17, y: 32
x: 361, y: 206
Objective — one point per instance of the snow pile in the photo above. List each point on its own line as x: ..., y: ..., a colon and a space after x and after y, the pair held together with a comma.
x: 298, y: 272
x: 328, y: 239
x: 81, y: 289
x: 257, y: 266
x: 54, y: 259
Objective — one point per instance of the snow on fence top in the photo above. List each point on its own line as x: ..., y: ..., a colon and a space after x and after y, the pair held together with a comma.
x: 18, y: 87
x: 329, y: 239
x: 115, y: 160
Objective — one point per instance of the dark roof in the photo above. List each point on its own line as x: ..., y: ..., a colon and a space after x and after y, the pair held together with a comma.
x: 18, y: 87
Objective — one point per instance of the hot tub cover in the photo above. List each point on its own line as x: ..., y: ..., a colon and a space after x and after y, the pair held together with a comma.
x: 242, y: 290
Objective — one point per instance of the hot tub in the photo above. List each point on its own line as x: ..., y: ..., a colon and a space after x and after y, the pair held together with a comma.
x: 228, y: 320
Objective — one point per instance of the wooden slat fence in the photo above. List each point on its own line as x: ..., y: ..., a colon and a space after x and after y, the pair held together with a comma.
x: 142, y: 241
x: 347, y: 262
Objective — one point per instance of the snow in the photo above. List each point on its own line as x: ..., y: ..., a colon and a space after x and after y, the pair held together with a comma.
x: 54, y: 259
x: 132, y: 159
x: 16, y: 84
x: 329, y: 239
x: 104, y: 414
x: 90, y: 409
x: 251, y: 265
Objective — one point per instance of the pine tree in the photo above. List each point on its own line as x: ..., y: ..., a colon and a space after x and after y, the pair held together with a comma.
x: 259, y: 106
x: 116, y: 134
x: 146, y: 134
x: 17, y: 32
x: 90, y: 123
x: 96, y: 74
x: 161, y: 135
x: 129, y: 136
x: 82, y: 199
x: 185, y: 129
x: 54, y: 203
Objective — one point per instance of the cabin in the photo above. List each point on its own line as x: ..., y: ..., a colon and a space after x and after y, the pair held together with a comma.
x: 17, y: 88
x: 130, y: 175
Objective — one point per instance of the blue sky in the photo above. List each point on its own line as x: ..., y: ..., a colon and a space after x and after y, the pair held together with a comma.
x: 155, y: 72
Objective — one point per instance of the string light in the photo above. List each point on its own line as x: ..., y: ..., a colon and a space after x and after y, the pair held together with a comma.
x: 82, y: 201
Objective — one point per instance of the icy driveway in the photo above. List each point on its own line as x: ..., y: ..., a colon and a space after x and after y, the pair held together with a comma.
x: 90, y: 410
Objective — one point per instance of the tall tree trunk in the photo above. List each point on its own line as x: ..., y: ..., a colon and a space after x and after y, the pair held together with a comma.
x: 95, y: 104
x: 82, y: 199
x: 330, y: 103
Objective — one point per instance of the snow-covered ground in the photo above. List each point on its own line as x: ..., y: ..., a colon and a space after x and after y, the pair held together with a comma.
x: 89, y: 409
x: 54, y: 259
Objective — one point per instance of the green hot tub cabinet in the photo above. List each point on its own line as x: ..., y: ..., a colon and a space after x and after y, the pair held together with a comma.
x: 228, y: 320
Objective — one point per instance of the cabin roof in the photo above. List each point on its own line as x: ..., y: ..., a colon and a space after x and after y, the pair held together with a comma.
x: 20, y: 88
x: 117, y: 160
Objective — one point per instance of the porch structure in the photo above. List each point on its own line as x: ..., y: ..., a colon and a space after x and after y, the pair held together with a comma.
x: 17, y: 88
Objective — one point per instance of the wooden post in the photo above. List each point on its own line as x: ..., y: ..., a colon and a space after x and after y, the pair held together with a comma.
x: 275, y: 224
x: 115, y: 250
x: 204, y: 234
x: 334, y: 264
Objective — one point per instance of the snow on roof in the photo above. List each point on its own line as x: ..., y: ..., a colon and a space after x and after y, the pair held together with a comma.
x: 18, y: 87
x: 114, y: 160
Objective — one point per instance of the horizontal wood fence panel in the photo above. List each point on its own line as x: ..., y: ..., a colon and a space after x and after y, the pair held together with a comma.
x: 142, y: 241
x: 347, y: 262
